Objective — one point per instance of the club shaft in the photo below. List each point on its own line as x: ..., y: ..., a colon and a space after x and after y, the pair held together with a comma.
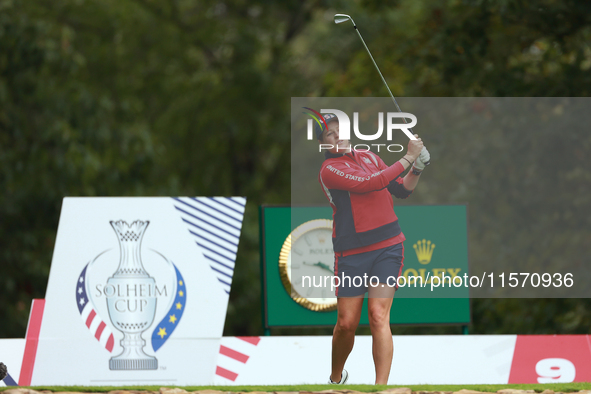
x: 377, y: 68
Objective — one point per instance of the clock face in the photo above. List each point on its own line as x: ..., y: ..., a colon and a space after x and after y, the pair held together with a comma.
x: 306, y: 265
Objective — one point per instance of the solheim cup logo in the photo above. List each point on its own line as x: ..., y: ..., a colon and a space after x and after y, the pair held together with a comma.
x: 132, y: 298
x: 132, y: 305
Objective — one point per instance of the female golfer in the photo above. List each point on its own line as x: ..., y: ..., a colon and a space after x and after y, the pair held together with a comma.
x: 367, y: 239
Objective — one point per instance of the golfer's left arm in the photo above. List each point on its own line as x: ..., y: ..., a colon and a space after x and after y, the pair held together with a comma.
x: 410, y: 181
x: 403, y: 187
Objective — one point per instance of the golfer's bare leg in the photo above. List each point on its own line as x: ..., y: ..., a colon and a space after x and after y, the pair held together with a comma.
x: 343, y: 337
x: 379, y: 304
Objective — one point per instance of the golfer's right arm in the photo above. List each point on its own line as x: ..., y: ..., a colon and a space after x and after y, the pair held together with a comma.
x: 413, y: 151
x: 338, y: 175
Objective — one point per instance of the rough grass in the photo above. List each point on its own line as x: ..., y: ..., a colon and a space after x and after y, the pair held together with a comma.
x: 557, y: 387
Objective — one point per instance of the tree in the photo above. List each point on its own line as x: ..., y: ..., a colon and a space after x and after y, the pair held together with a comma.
x: 185, y: 97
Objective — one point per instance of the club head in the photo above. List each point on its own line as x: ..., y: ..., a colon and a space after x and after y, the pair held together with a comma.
x: 340, y: 18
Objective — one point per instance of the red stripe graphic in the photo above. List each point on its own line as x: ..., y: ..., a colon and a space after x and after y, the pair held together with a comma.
x: 32, y: 340
x: 110, y: 343
x: 224, y: 373
x: 252, y: 340
x: 226, y: 351
x: 99, y: 330
x: 336, y: 273
x: 235, y: 355
x: 90, y: 318
x: 401, y: 266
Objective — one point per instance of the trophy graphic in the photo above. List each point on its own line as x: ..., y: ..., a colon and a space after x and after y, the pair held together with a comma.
x: 132, y: 304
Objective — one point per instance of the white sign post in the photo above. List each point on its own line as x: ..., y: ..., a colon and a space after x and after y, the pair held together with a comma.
x: 138, y: 291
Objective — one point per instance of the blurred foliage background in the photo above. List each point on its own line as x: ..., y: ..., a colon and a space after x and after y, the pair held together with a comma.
x: 186, y: 97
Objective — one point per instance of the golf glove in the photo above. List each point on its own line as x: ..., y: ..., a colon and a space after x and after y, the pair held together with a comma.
x: 423, y: 160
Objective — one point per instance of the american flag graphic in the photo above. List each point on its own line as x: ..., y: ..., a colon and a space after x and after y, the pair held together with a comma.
x: 234, y: 354
x: 215, y: 223
x: 91, y: 319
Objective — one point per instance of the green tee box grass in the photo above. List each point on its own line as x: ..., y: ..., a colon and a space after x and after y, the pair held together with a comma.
x: 556, y: 387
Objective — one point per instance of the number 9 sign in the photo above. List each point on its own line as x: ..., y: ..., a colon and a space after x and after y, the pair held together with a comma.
x: 551, y: 359
x: 555, y: 370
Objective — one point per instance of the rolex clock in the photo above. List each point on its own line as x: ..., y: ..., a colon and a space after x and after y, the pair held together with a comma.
x: 306, y: 264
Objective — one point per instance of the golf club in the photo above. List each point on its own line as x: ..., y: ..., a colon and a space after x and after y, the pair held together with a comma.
x: 340, y: 18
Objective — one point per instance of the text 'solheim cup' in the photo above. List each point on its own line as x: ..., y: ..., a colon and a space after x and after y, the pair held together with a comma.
x: 132, y: 306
